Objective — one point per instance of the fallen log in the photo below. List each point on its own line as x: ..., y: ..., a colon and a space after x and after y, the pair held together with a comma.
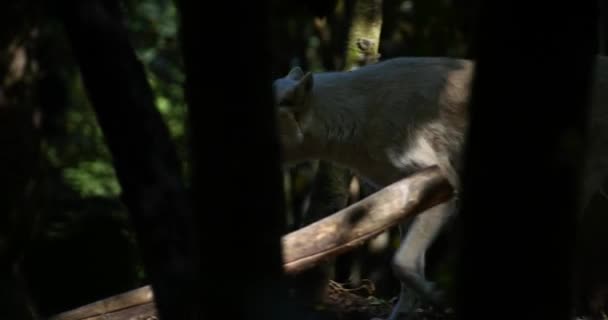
x: 313, y: 244
x: 135, y: 304
x: 361, y: 221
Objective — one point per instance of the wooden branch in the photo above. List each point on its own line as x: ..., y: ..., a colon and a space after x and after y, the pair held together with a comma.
x: 352, y: 226
x: 119, y: 306
x: 309, y: 246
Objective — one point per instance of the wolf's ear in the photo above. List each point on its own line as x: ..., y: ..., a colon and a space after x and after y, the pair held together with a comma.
x: 297, y: 96
x: 302, y: 89
x: 296, y: 73
x: 306, y: 82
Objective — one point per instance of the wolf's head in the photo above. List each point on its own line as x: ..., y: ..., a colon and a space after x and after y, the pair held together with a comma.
x: 292, y: 98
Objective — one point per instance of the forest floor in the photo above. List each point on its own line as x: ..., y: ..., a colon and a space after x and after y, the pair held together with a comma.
x: 360, y: 304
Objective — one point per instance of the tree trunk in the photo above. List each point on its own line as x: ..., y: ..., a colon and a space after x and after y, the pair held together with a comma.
x: 144, y: 156
x: 361, y: 49
x: 603, y: 28
x: 529, y: 106
x: 239, y: 159
x: 591, y: 281
x: 20, y: 160
x: 19, y: 170
x: 330, y: 191
x: 364, y: 34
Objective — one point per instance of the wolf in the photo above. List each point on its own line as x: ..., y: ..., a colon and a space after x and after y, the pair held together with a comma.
x: 390, y: 119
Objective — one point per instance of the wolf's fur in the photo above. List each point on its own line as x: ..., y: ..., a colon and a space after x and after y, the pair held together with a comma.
x: 392, y: 118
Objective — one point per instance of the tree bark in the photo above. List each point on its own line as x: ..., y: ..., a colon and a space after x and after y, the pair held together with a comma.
x: 529, y: 105
x: 330, y: 191
x: 19, y: 171
x: 119, y: 306
x: 591, y: 281
x: 364, y: 34
x: 144, y: 156
x: 243, y: 151
x: 603, y: 28
x: 20, y: 162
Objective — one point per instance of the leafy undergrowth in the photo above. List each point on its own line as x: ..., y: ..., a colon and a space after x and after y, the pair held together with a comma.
x: 360, y: 304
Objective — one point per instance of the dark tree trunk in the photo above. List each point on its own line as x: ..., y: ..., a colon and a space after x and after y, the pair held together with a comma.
x: 603, y: 27
x: 237, y: 152
x: 20, y: 159
x: 144, y: 156
x: 528, y: 119
x: 591, y: 277
x: 19, y: 173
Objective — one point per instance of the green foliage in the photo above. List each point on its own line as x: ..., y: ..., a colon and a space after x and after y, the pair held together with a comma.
x: 81, y: 154
x: 153, y: 25
x: 94, y: 178
x: 83, y: 208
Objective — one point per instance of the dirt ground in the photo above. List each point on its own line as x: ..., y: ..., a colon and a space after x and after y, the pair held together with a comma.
x: 360, y: 304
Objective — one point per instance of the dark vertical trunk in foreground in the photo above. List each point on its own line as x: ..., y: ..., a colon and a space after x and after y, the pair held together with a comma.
x: 592, y: 247
x: 236, y: 158
x: 525, y: 151
x: 144, y: 156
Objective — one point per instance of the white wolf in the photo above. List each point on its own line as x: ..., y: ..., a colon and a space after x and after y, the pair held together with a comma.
x: 388, y: 120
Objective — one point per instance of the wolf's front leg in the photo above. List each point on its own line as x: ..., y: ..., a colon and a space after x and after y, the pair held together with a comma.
x: 409, y: 260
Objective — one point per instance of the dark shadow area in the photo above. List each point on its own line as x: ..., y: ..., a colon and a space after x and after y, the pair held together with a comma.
x: 524, y: 159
